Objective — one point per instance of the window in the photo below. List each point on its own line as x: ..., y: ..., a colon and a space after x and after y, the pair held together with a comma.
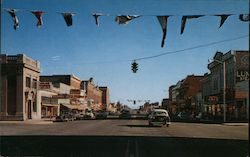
x: 215, y: 84
x: 34, y: 83
x: 28, y: 81
x: 34, y: 106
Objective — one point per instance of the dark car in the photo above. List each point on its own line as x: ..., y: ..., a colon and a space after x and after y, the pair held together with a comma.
x: 125, y: 115
x: 183, y: 116
x: 63, y: 118
x: 101, y: 115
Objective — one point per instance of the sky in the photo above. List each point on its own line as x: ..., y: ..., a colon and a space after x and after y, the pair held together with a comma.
x: 106, y: 52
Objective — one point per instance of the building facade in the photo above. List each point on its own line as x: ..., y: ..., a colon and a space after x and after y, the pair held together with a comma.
x: 185, y: 95
x: 93, y: 94
x: 105, y: 97
x: 70, y: 80
x: 237, y: 85
x: 49, y: 107
x: 19, y: 88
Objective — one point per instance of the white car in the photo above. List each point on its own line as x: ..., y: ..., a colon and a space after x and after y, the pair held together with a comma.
x: 89, y: 115
x: 159, y: 117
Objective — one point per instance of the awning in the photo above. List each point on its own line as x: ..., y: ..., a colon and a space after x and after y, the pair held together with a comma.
x: 52, y: 105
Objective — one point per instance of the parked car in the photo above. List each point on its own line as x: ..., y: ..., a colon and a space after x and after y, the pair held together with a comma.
x: 68, y: 116
x: 183, y: 116
x: 64, y: 118
x: 79, y: 116
x: 101, y: 115
x: 125, y: 114
x: 89, y: 114
x: 159, y: 117
x: 198, y: 116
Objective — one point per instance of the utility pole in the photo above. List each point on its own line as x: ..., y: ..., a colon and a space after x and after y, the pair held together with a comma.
x: 224, y: 88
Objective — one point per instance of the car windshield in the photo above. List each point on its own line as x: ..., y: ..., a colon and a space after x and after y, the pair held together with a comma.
x: 124, y: 78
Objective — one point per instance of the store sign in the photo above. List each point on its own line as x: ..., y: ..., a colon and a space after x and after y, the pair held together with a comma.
x: 242, y: 75
x: 213, y: 98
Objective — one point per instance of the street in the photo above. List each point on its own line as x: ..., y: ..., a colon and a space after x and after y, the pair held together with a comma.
x: 126, y: 128
x: 128, y: 138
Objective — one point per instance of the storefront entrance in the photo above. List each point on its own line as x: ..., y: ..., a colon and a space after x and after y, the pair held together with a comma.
x: 29, y: 110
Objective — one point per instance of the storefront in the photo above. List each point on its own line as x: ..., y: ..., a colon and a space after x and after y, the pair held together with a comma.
x: 50, y: 110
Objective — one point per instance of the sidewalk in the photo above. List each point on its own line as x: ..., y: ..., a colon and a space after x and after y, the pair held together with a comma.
x: 236, y: 124
x: 40, y: 121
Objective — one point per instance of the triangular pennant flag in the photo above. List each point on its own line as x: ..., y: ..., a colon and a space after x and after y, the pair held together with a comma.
x: 96, y: 16
x: 38, y: 15
x: 68, y: 18
x: 184, y: 19
x: 244, y: 17
x: 124, y: 19
x: 163, y: 22
x: 12, y: 13
x: 223, y: 18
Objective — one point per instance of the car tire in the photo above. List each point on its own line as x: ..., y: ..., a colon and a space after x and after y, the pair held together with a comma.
x: 167, y: 125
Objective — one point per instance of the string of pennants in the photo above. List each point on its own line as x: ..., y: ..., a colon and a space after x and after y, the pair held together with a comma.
x: 123, y: 19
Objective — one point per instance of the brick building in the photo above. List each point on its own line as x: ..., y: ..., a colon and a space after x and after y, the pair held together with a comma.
x: 19, y: 87
x: 185, y: 95
x: 93, y: 94
x: 70, y: 80
x: 105, y: 97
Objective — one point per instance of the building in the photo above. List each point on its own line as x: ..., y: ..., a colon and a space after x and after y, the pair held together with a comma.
x: 174, y: 106
x: 49, y: 106
x: 70, y: 80
x: 93, y: 94
x: 105, y: 97
x: 188, y: 92
x: 19, y: 88
x: 237, y: 85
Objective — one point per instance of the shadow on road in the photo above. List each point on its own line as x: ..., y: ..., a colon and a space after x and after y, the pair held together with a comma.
x: 121, y: 146
x: 142, y: 126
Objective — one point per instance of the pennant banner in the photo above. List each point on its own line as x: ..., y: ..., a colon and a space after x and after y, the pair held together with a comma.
x: 68, y: 18
x: 124, y: 19
x: 223, y: 18
x: 244, y: 17
x: 184, y: 19
x: 38, y: 15
x: 96, y: 16
x: 163, y: 22
x: 12, y: 13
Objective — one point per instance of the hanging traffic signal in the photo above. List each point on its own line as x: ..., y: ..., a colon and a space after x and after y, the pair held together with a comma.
x: 134, y: 67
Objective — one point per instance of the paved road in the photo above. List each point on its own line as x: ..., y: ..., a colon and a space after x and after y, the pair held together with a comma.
x: 127, y: 128
x: 122, y: 138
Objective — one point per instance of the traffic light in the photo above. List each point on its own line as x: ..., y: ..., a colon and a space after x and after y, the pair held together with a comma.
x: 134, y: 67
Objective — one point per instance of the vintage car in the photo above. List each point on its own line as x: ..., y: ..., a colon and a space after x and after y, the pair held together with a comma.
x: 159, y: 117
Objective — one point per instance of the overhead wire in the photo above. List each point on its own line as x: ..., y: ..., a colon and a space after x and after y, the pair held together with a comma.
x: 169, y: 52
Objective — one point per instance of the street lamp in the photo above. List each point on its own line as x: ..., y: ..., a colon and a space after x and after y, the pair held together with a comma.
x: 224, y: 88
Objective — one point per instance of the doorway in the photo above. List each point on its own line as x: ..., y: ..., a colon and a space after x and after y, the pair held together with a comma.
x: 29, y: 109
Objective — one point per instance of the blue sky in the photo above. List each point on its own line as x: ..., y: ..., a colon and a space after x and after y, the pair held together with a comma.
x: 105, y: 52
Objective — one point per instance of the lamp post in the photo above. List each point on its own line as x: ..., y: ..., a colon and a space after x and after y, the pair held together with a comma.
x: 224, y: 88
